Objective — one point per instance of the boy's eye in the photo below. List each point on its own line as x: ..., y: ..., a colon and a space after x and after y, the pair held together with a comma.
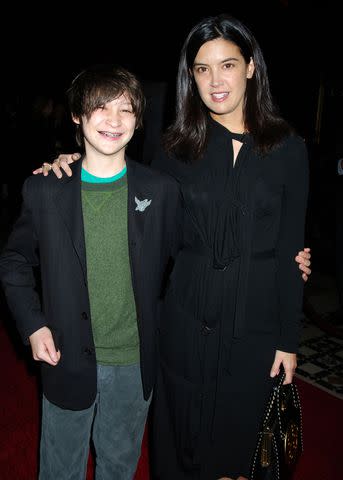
x: 227, y: 66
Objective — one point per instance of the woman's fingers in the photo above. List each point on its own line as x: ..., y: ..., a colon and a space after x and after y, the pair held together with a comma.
x: 289, y: 371
x: 275, y: 370
x: 303, y: 259
x: 62, y: 163
x: 46, y: 168
x: 75, y: 156
x: 289, y: 362
x: 56, y: 169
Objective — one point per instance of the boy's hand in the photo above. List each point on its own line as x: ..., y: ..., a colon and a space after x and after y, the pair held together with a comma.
x: 304, y: 260
x: 60, y: 163
x: 43, y: 347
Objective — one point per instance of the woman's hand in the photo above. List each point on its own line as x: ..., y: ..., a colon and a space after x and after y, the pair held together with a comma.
x: 289, y: 362
x: 60, y: 163
x: 303, y: 258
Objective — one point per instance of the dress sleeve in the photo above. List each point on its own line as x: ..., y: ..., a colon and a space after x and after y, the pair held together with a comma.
x: 17, y: 263
x: 291, y: 241
x: 172, y: 166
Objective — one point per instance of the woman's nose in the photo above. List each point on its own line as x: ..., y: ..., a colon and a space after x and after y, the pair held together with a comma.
x: 215, y: 79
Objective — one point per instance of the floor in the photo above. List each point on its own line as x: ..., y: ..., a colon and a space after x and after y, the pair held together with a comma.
x: 320, y: 357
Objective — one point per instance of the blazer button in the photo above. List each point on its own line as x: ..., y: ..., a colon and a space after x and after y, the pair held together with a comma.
x: 88, y: 351
x: 206, y: 330
x: 84, y: 316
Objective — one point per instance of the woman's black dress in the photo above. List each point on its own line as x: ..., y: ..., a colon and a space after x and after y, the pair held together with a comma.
x: 234, y: 297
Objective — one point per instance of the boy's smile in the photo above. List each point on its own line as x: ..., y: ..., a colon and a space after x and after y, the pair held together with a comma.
x: 109, y: 128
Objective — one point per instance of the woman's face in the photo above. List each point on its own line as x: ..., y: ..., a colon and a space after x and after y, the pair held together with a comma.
x: 220, y: 73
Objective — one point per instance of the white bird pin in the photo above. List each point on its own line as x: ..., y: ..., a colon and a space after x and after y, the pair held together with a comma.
x: 142, y: 204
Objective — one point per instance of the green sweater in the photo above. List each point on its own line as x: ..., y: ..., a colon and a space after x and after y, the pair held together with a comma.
x: 112, y: 305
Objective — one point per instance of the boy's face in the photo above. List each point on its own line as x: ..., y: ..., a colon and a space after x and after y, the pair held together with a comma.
x: 110, y: 127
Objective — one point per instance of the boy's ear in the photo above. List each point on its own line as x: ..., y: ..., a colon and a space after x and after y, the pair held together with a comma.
x: 76, y: 119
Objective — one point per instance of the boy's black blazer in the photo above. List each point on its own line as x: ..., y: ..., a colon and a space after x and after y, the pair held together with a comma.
x: 49, y: 233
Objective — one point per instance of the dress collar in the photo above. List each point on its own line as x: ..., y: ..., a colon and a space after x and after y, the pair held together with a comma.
x: 217, y: 128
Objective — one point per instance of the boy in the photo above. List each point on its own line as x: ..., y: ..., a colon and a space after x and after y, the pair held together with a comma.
x: 102, y: 239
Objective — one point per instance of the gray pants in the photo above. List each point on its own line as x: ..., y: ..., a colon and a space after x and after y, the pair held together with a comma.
x: 115, y: 422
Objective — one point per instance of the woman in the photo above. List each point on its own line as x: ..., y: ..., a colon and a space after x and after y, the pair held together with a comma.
x: 232, y: 309
x: 231, y: 312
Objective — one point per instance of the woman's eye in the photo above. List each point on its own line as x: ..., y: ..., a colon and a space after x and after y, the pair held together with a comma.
x: 201, y: 69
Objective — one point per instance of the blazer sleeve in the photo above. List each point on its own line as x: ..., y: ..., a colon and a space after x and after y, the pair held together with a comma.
x: 17, y: 263
x: 291, y: 241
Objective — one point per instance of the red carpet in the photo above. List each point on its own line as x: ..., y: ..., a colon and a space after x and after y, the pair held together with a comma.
x: 323, y: 424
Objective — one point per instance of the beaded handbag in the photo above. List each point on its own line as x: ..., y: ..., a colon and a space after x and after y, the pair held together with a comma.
x: 280, y: 440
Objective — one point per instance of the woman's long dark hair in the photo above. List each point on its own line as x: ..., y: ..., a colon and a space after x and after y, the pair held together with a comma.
x: 186, y: 137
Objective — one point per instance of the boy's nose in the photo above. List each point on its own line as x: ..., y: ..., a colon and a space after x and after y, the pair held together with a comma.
x: 113, y: 120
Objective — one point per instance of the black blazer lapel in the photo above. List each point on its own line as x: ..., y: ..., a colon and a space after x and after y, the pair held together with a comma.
x: 139, y: 199
x: 137, y: 215
x: 68, y: 203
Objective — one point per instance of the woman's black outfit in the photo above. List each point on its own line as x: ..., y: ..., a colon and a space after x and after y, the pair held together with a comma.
x: 234, y: 297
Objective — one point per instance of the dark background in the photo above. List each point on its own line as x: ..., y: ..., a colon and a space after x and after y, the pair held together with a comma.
x: 44, y: 48
x: 300, y: 41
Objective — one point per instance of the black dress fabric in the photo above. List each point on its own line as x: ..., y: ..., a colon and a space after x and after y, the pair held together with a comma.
x: 234, y: 297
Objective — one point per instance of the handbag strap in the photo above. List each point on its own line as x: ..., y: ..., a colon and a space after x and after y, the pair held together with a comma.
x: 275, y: 397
